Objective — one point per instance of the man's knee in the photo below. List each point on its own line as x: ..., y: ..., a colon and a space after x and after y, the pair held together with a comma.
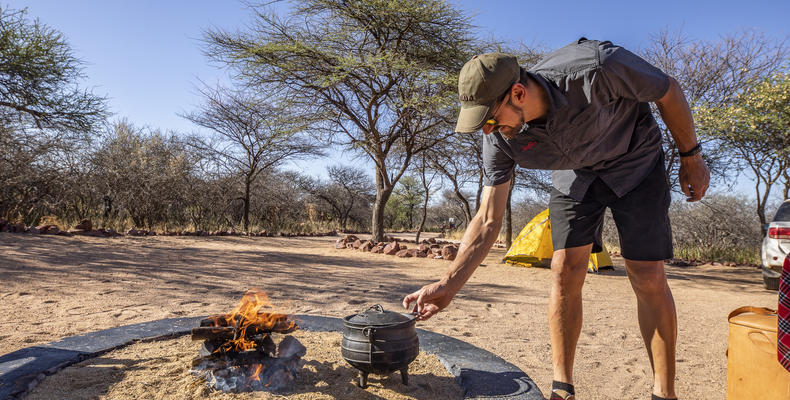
x: 647, y: 277
x: 569, y: 267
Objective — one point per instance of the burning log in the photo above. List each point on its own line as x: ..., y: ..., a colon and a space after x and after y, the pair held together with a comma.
x: 223, y: 319
x: 228, y: 332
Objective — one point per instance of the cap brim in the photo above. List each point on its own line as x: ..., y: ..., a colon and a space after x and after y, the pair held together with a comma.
x: 471, y: 118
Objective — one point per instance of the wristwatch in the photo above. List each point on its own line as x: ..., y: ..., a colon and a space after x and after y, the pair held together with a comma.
x: 694, y: 151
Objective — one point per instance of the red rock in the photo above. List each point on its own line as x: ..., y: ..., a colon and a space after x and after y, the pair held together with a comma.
x: 377, y: 249
x: 357, y: 244
x: 33, y: 230
x: 350, y: 238
x: 367, y: 246
x: 449, y: 252
x: 422, y: 254
x: 85, y: 225
x: 44, y: 228
x: 424, y: 248
x: 431, y: 240
x: 404, y: 253
x: 391, y: 248
x: 340, y: 244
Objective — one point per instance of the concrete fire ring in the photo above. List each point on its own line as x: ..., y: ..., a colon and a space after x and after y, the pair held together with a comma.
x: 481, y: 374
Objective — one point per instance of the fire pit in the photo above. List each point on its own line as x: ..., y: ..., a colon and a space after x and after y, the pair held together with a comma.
x: 160, y: 369
x: 480, y: 373
x: 238, y: 352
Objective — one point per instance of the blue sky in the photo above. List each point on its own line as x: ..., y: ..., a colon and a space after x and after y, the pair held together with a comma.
x: 146, y: 57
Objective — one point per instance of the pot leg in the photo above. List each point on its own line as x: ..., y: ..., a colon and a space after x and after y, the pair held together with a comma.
x: 363, y: 379
x: 404, y: 375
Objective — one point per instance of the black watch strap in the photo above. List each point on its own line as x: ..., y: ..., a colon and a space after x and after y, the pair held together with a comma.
x: 694, y: 151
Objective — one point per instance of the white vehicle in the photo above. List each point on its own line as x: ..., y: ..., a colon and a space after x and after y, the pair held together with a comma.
x: 776, y: 246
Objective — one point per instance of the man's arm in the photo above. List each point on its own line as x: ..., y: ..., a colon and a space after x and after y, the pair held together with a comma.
x: 480, y: 235
x: 694, y: 176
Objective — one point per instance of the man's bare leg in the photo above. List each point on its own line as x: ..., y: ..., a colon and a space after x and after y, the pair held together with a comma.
x: 568, y: 269
x: 657, y: 321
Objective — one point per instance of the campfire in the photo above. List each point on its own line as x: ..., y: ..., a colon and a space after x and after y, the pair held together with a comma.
x: 239, y: 353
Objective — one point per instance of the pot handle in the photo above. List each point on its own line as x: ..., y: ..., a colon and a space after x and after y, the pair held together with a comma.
x: 376, y: 307
x: 368, y: 331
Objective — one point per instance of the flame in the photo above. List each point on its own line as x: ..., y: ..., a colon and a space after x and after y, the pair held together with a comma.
x: 255, y: 372
x: 252, y: 311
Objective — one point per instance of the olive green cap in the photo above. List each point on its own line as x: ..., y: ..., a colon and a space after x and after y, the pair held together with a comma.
x: 482, y: 81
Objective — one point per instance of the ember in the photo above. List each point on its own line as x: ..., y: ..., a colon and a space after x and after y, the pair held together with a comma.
x: 239, y: 353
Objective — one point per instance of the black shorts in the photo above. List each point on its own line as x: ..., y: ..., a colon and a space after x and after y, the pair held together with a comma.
x: 641, y: 217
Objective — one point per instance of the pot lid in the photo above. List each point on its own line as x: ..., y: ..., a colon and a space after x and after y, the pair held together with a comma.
x: 376, y: 315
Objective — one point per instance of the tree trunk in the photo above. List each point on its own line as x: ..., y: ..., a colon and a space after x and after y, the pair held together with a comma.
x: 383, y: 192
x: 424, y: 204
x: 247, y: 184
x: 479, y: 194
x: 464, y: 205
x: 377, y: 227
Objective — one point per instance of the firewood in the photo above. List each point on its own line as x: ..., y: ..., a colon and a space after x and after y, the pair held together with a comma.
x: 222, y: 319
x: 226, y: 332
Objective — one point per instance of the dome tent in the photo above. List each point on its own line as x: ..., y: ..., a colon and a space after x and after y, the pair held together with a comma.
x: 533, y: 247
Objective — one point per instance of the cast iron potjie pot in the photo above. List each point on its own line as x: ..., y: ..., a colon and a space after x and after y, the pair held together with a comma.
x: 380, y: 342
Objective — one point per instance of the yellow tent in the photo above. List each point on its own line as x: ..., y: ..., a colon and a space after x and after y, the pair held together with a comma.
x: 533, y: 247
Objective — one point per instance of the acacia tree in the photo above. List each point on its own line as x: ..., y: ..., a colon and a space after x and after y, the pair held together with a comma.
x: 711, y: 73
x: 380, y: 74
x: 755, y: 127
x: 143, y: 173
x: 45, y: 117
x: 347, y: 188
x: 250, y: 136
x: 459, y: 161
x: 39, y: 75
x: 408, y: 195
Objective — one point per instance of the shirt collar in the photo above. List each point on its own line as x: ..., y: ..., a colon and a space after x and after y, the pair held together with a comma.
x: 557, y: 99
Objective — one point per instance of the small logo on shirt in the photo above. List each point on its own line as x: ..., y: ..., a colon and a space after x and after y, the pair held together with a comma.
x: 528, y: 146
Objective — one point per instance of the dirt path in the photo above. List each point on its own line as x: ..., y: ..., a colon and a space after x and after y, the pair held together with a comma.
x: 54, y: 287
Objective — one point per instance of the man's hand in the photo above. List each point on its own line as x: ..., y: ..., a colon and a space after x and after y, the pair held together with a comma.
x: 430, y: 299
x: 694, y: 177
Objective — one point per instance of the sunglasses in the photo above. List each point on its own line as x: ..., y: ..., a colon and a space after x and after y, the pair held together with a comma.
x: 492, y: 121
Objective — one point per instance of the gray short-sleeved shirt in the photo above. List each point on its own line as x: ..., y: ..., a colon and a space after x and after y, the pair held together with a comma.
x: 599, y: 122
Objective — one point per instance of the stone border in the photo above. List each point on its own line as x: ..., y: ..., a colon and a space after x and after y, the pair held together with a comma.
x: 482, y: 374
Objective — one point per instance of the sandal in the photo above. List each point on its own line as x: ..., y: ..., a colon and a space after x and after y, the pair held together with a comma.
x: 562, y: 391
x: 559, y: 394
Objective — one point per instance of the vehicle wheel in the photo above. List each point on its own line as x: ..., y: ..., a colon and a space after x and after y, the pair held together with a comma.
x: 770, y: 283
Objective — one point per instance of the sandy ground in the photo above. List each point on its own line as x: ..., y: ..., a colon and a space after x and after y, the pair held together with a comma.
x: 54, y: 287
x: 160, y: 370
